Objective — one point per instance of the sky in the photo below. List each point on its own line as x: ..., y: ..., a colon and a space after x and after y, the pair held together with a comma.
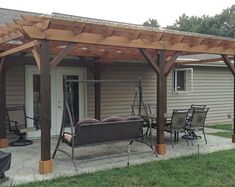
x: 130, y: 11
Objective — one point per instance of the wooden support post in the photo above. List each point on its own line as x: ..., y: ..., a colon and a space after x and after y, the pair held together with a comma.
x: 45, y: 164
x: 3, y: 131
x: 161, y: 104
x: 97, y: 70
x: 233, y: 136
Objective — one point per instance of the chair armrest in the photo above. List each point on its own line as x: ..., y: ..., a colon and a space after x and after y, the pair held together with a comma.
x: 35, y: 120
x: 14, y: 124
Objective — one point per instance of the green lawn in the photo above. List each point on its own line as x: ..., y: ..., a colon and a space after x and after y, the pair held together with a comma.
x: 215, y: 169
x: 227, y: 133
x: 221, y: 126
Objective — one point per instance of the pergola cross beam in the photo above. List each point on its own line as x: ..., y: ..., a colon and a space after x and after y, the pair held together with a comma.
x: 20, y: 48
x: 150, y: 60
x: 59, y: 57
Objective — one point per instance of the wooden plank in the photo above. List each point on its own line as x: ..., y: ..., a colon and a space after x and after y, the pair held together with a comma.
x: 97, y: 69
x: 59, y: 57
x: 229, y: 64
x: 36, y: 54
x: 121, y: 41
x: 11, y: 36
x: 20, y: 48
x: 150, y: 60
x: 161, y: 99
x: 3, y: 132
x: 45, y: 96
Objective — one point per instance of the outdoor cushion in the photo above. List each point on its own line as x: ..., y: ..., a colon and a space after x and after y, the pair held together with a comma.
x: 67, y: 137
x: 112, y: 119
x: 133, y: 118
x: 87, y: 121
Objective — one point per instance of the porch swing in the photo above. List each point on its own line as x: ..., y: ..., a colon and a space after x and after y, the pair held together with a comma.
x: 92, y: 131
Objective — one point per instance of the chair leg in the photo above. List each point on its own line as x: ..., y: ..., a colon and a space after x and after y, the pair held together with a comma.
x: 172, y: 143
x: 204, y: 135
x: 192, y: 137
x: 186, y: 136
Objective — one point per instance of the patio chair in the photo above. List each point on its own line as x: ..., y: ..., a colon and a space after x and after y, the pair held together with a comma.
x: 17, y: 121
x: 196, y: 107
x: 197, y: 123
x: 5, y: 163
x: 177, y: 124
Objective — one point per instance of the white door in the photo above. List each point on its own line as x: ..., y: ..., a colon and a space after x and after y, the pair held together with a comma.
x: 32, y: 86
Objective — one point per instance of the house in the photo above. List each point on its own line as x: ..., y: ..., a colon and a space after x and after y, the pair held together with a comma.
x: 189, y: 83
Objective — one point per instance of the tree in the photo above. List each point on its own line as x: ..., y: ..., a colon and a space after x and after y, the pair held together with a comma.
x: 221, y: 24
x: 151, y: 23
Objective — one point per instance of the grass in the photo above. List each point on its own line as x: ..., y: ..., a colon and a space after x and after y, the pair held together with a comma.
x: 215, y: 169
x: 221, y: 126
x: 225, y: 134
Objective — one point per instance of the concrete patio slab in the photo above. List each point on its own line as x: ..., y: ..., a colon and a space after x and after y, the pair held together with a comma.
x: 25, y: 160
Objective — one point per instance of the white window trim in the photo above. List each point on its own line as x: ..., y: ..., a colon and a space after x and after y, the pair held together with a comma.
x: 175, y: 79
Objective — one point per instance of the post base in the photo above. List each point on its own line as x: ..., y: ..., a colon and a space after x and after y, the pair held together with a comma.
x: 45, y: 166
x: 160, y: 149
x: 233, y: 138
x: 4, y: 143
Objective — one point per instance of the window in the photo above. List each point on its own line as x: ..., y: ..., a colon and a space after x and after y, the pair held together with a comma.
x: 183, y: 80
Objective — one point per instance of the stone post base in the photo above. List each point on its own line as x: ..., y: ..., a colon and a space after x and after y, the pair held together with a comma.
x: 160, y: 149
x: 45, y: 166
x: 4, y: 143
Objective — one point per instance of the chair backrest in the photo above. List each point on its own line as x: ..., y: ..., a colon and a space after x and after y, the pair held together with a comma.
x: 196, y: 107
x: 198, y: 118
x: 178, y: 120
x: 17, y: 114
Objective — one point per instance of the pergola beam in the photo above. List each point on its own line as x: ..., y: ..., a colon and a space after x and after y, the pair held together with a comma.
x: 229, y: 64
x: 36, y: 54
x: 150, y: 60
x: 20, y: 48
x: 3, y: 131
x: 59, y: 57
x: 171, y: 63
x: 122, y: 41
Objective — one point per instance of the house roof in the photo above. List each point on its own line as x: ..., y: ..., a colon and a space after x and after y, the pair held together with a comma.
x: 7, y: 15
x: 105, y: 40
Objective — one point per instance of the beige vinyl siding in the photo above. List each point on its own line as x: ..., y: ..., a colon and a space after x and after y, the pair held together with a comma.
x: 211, y: 86
x: 15, y: 85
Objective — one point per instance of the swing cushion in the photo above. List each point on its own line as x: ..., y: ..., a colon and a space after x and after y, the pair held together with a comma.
x: 133, y: 118
x: 112, y: 119
x: 87, y: 121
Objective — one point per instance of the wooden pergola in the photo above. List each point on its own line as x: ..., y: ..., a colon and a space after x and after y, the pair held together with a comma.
x: 104, y: 42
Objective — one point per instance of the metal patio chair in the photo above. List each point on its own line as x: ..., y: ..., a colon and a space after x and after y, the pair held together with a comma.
x: 197, y: 123
x: 17, y: 120
x: 177, y: 124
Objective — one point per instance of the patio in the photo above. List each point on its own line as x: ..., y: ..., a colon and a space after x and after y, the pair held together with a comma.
x: 24, y: 166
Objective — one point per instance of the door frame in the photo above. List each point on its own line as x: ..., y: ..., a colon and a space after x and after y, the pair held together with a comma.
x: 33, y: 69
